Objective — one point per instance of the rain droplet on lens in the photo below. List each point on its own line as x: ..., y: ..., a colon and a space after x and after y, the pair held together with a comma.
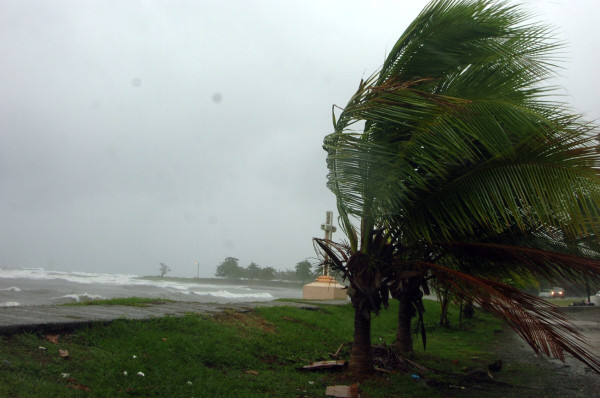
x: 217, y: 98
x: 136, y: 82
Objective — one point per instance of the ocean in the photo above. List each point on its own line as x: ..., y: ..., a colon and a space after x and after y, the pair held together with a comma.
x: 37, y: 286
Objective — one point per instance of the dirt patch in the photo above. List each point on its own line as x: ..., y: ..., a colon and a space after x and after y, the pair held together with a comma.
x: 247, y: 319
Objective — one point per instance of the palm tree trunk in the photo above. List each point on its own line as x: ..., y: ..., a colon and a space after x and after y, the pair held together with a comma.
x: 403, y: 341
x: 361, y: 359
x: 469, y: 310
x: 444, y: 301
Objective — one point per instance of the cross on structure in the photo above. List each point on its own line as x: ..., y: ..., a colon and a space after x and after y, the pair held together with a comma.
x: 329, y: 230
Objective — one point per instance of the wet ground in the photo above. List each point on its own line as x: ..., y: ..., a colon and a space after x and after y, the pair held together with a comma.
x: 570, y: 379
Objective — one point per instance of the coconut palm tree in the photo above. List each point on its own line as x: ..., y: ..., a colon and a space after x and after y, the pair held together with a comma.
x: 453, y: 164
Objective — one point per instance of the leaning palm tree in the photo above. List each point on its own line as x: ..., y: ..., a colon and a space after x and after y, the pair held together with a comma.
x: 451, y: 162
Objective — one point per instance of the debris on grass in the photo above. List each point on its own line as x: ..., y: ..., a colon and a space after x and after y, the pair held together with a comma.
x: 338, y: 364
x: 76, y: 386
x: 386, y: 359
x: 141, y: 374
x: 343, y: 391
x: 336, y: 355
x: 251, y: 372
x: 63, y: 353
x: 53, y: 338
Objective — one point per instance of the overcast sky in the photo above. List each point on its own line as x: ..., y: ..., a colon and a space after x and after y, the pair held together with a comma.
x: 139, y: 132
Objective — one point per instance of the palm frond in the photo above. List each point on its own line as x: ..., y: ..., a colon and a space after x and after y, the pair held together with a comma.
x: 494, y: 259
x: 542, y: 325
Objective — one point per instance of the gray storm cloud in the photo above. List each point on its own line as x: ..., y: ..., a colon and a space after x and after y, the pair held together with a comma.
x: 138, y: 133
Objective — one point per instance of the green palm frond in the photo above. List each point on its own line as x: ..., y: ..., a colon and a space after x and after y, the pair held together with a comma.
x: 455, y: 155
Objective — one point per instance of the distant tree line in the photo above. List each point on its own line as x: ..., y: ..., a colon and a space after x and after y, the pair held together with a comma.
x: 230, y: 268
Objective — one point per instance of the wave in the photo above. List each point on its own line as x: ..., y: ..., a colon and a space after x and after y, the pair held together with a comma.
x: 227, y: 294
x: 11, y: 289
x: 83, y: 296
x: 10, y: 304
x: 89, y: 278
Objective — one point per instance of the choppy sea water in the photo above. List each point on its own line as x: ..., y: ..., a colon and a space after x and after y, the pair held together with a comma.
x: 37, y: 286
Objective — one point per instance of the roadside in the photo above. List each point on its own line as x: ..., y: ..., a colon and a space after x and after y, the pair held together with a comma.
x: 539, y: 377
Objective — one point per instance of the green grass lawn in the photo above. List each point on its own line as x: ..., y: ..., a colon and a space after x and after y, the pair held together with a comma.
x: 253, y: 354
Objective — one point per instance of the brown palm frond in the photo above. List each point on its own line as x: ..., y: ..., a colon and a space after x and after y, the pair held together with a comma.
x: 550, y: 264
x: 338, y: 253
x: 541, y: 324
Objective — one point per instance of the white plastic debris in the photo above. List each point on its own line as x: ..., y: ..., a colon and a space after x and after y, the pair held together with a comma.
x: 141, y: 374
x: 42, y: 348
x: 65, y: 375
x: 134, y: 357
x: 125, y: 373
x: 189, y: 383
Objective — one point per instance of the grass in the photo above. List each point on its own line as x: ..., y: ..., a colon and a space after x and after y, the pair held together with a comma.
x: 129, y: 301
x: 566, y: 301
x: 253, y: 354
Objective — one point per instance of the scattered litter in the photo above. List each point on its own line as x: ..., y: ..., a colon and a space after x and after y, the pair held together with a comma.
x: 416, y: 377
x: 53, y: 338
x: 311, y: 382
x: 189, y: 383
x: 251, y: 372
x: 124, y: 373
x: 164, y: 339
x: 65, y: 375
x: 134, y: 356
x: 337, y: 353
x: 343, y: 391
x: 41, y: 348
x: 324, y: 365
x: 63, y: 353
x: 381, y: 370
x: 141, y: 374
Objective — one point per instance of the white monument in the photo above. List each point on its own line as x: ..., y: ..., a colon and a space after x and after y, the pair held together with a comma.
x: 325, y: 287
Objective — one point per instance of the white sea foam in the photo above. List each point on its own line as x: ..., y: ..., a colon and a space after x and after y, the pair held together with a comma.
x: 10, y: 304
x: 93, y: 278
x: 230, y: 295
x: 79, y: 297
x: 69, y: 287
x: 11, y: 289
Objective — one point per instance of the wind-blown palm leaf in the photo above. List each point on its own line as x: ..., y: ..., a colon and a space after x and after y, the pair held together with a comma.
x: 452, y: 153
x: 551, y: 265
x: 541, y: 324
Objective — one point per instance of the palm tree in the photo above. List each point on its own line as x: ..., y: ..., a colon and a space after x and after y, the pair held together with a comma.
x: 452, y: 164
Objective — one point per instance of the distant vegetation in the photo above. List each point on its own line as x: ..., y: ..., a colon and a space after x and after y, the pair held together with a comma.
x: 163, y: 269
x: 230, y: 268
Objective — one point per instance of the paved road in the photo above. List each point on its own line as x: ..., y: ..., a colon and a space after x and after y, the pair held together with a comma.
x: 58, y: 317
